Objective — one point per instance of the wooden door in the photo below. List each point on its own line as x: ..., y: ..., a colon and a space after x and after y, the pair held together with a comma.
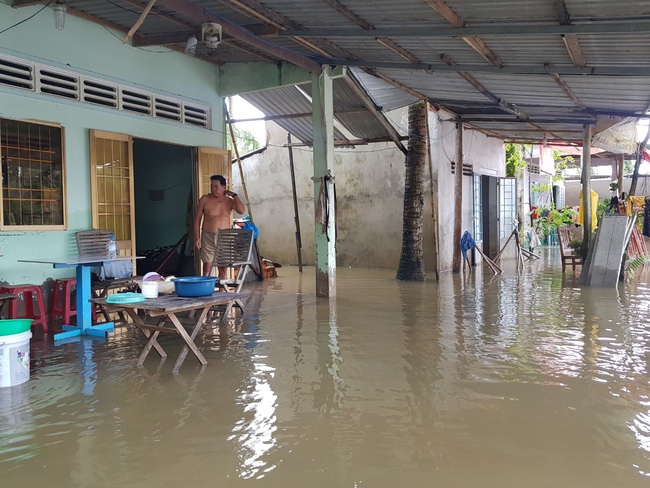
x: 211, y: 161
x: 111, y: 183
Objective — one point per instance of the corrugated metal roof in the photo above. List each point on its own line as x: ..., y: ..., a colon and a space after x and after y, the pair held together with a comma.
x: 514, y: 68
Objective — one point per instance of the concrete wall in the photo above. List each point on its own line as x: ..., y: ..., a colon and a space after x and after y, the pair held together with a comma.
x: 90, y: 49
x: 370, y: 192
x: 601, y: 186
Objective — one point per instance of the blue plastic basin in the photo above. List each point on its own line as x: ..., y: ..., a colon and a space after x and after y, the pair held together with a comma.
x: 194, y: 286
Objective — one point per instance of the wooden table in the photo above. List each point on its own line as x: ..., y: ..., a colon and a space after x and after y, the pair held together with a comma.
x: 82, y: 264
x: 164, y: 309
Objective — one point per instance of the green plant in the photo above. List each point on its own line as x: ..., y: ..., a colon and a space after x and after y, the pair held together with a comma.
x: 636, y: 263
x: 515, y: 163
x: 549, y: 219
x: 576, y: 245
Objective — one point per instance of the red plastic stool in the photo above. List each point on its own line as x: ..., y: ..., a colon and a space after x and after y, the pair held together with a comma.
x: 62, y: 301
x: 27, y: 294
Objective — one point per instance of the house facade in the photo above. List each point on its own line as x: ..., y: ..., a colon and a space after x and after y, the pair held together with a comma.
x: 95, y: 132
x: 134, y: 133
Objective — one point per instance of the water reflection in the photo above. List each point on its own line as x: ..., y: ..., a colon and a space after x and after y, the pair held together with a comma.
x: 520, y: 379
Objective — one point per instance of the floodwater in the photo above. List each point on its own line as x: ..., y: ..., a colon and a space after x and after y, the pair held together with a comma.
x: 474, y: 381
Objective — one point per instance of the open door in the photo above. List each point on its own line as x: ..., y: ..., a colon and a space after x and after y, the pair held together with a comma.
x: 211, y: 161
x: 111, y: 187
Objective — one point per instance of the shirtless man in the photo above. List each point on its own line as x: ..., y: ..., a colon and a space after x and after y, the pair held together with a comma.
x: 214, y: 209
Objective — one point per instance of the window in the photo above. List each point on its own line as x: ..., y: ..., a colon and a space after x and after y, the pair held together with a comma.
x: 507, y: 206
x: 32, y: 176
x: 478, y: 209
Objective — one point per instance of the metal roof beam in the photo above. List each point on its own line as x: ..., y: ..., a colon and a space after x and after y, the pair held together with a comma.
x: 522, y: 29
x: 375, y: 111
x: 474, y: 42
x: 200, y: 15
x: 545, y: 69
x: 346, y: 12
x: 502, y: 104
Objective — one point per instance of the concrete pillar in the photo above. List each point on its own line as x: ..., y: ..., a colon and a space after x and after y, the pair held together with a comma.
x: 458, y: 197
x: 325, y: 218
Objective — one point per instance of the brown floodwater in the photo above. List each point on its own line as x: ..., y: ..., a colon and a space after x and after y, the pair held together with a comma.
x: 522, y: 380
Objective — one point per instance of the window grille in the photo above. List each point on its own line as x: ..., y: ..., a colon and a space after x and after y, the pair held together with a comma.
x: 32, y: 175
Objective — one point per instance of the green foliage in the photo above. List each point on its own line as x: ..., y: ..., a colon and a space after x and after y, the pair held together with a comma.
x: 561, y: 163
x: 636, y: 263
x: 515, y: 163
x: 628, y: 167
x: 576, y: 245
x: 246, y: 141
x: 549, y: 219
x: 541, y: 188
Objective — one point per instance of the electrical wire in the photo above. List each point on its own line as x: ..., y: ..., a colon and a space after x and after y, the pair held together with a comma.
x: 28, y: 18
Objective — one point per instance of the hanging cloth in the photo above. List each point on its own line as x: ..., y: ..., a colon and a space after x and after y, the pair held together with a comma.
x: 633, y: 201
x: 594, y: 207
x: 533, y: 239
x: 646, y: 217
x: 466, y: 243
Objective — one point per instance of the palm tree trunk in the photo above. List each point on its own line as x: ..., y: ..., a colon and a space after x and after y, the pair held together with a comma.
x: 411, y: 263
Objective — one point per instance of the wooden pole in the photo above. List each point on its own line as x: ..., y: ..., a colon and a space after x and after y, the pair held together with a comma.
x: 434, y: 199
x: 241, y: 170
x: 620, y: 169
x: 586, y: 191
x: 296, y: 217
x: 139, y: 22
x: 496, y: 258
x: 458, y: 197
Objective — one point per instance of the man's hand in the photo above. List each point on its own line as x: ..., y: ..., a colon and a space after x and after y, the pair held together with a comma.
x: 197, y: 243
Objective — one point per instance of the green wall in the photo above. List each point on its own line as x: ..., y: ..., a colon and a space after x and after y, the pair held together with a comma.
x: 92, y: 50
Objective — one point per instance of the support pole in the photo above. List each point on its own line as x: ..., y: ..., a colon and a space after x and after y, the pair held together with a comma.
x: 458, y: 197
x: 586, y: 191
x: 241, y: 170
x: 296, y: 217
x: 324, y: 218
x: 620, y: 168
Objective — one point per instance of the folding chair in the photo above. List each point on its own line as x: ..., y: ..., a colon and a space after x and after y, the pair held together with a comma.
x: 234, y: 251
x: 93, y: 242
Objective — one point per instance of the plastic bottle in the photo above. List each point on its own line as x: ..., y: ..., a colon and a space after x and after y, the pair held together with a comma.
x: 112, y: 248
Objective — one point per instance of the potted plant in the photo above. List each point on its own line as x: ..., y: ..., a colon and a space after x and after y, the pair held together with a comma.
x: 546, y: 220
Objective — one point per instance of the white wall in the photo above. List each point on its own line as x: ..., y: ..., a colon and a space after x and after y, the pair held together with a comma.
x: 601, y: 186
x: 370, y: 191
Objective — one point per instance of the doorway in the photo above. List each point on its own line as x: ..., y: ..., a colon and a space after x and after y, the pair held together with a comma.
x: 162, y: 180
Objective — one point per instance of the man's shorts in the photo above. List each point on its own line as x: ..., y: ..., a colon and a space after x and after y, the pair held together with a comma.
x: 208, y: 246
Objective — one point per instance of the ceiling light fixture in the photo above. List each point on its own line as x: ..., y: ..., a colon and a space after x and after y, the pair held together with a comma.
x: 211, y: 34
x: 190, y: 45
x: 59, y: 10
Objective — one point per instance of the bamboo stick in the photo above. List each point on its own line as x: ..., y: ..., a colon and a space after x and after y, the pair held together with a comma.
x: 139, y: 22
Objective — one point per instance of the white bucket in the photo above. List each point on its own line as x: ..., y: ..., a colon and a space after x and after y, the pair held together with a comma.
x: 150, y: 289
x: 14, y: 358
